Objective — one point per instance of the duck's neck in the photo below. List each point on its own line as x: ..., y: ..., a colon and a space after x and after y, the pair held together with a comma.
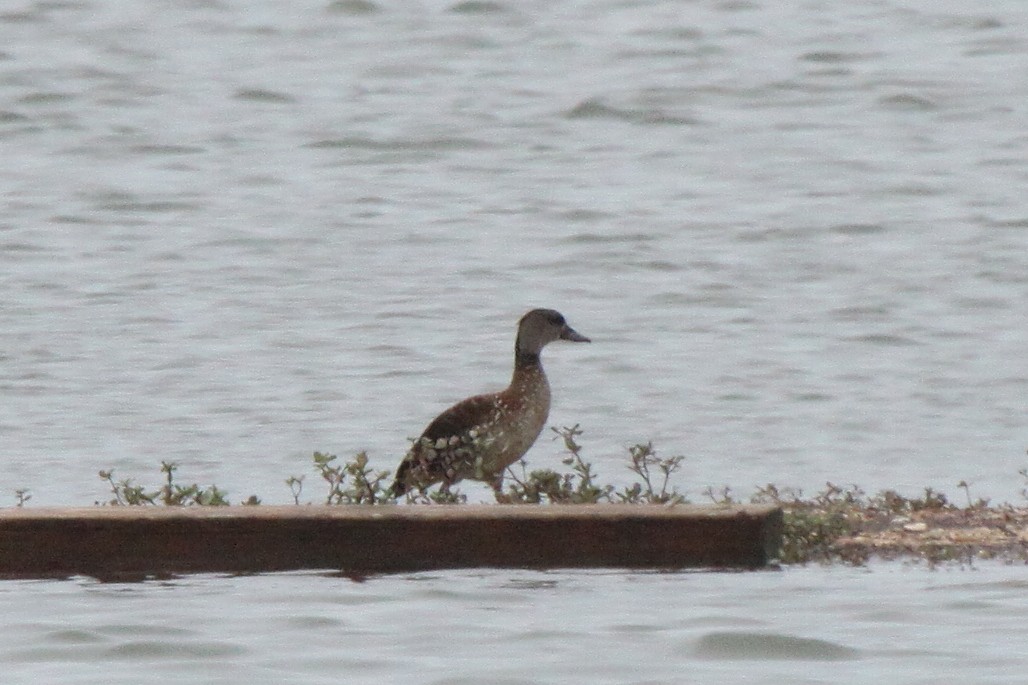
x: 526, y: 360
x: 529, y: 379
x: 523, y: 359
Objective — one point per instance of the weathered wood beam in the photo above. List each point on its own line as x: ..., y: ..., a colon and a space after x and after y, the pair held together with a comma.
x: 137, y: 542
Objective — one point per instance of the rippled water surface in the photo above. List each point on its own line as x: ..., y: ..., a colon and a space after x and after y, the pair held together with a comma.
x: 887, y: 624
x: 234, y: 233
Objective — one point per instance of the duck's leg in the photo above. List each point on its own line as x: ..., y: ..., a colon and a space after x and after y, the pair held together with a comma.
x: 496, y: 483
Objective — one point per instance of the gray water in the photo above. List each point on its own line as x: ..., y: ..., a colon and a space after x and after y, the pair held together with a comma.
x: 888, y: 624
x: 234, y: 233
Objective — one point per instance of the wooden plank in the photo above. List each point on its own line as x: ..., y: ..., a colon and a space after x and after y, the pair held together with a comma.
x: 134, y: 542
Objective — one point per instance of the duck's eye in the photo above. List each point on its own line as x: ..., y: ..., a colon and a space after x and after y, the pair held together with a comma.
x: 556, y: 319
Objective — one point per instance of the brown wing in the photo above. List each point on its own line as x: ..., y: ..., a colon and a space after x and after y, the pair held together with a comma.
x: 455, y: 421
x: 461, y: 417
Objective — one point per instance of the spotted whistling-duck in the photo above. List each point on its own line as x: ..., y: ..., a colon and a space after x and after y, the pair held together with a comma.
x: 478, y: 438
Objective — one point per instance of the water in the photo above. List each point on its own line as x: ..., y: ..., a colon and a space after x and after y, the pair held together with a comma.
x: 234, y: 233
x: 801, y: 626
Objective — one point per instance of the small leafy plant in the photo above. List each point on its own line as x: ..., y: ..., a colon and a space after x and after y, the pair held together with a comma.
x: 643, y: 462
x: 580, y: 486
x: 127, y: 493
x: 545, y: 485
x: 352, y: 482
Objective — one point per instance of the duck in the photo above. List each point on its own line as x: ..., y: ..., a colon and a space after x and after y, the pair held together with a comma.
x: 479, y: 437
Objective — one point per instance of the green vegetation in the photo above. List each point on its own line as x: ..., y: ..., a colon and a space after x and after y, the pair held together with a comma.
x: 837, y: 524
x: 848, y: 525
x: 363, y: 487
x: 579, y: 486
x: 126, y: 493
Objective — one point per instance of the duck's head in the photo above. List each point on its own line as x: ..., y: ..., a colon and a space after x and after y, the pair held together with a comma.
x: 541, y: 326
